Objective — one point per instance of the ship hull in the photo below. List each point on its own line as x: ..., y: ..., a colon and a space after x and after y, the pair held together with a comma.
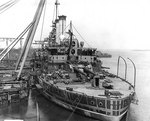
x: 12, y: 96
x: 82, y: 111
x: 12, y: 92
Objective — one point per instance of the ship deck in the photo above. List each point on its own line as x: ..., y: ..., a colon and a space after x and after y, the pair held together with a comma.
x: 120, y: 89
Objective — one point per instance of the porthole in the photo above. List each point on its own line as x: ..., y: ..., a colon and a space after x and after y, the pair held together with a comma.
x: 72, y: 51
x: 73, y: 43
x: 92, y: 102
x: 100, y: 104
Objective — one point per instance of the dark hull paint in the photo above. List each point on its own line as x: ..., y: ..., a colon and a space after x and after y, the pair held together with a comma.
x: 84, y: 112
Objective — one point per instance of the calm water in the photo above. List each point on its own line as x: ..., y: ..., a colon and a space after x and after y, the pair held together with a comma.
x: 50, y: 112
x: 140, y: 112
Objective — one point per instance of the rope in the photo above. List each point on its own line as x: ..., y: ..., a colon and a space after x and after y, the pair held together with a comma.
x: 74, y: 108
x: 81, y: 36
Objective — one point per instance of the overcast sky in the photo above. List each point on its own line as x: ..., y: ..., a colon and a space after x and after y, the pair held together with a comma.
x: 104, y: 24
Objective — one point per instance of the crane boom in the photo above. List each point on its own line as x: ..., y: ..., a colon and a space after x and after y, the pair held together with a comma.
x: 31, y: 34
x: 26, y: 42
x: 13, y: 43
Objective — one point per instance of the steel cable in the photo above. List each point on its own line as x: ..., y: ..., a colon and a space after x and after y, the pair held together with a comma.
x: 7, y: 5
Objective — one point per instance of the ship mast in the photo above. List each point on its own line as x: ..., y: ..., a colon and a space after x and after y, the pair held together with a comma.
x: 57, y: 3
x: 71, y: 36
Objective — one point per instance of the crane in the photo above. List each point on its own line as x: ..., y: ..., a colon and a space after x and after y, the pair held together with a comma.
x: 13, y: 43
x: 32, y: 29
x: 30, y: 37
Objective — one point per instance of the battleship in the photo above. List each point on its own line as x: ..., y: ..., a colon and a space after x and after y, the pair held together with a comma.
x: 72, y: 76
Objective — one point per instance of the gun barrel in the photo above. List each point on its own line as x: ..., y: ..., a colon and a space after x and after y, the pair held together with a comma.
x: 79, y: 71
x: 88, y: 71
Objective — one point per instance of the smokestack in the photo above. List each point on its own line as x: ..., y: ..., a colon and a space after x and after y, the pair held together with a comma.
x: 57, y: 31
x: 62, y: 24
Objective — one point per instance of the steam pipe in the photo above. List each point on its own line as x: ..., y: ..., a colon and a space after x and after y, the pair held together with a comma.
x: 125, y: 66
x: 134, y: 71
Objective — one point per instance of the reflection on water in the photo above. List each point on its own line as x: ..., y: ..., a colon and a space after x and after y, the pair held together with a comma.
x: 51, y: 112
x: 48, y: 111
x: 18, y: 110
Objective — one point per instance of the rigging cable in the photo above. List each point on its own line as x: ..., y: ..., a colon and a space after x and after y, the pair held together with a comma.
x: 43, y: 21
x: 81, y: 36
x: 77, y: 99
x: 7, y: 5
x: 7, y: 49
x: 53, y: 14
